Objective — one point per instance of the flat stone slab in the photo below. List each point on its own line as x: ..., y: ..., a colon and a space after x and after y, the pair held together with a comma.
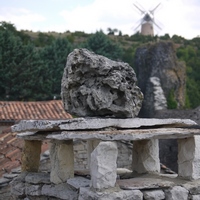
x: 97, y: 123
x: 111, y: 135
x: 143, y: 183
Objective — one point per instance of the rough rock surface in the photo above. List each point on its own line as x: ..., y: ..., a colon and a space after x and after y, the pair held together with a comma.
x: 154, y: 195
x: 176, y: 193
x: 103, y: 166
x: 159, y: 60
x: 93, y: 85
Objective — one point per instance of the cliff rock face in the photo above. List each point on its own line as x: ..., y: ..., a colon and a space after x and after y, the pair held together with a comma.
x: 93, y: 85
x: 159, y: 60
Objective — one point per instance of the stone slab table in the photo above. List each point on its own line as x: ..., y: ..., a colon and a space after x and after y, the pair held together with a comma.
x: 143, y: 132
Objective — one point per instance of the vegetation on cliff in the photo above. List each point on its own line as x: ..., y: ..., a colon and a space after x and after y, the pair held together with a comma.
x: 31, y: 64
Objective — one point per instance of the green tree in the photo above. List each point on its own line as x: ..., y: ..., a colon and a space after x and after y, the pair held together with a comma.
x: 55, y: 57
x: 21, y: 71
x: 103, y: 45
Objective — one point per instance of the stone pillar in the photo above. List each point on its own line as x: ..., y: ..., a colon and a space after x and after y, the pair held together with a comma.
x: 31, y: 156
x: 103, y: 166
x: 146, y: 156
x: 189, y: 158
x: 91, y: 145
x: 62, y: 161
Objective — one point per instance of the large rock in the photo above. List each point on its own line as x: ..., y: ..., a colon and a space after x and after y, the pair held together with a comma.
x: 93, y: 85
x: 159, y: 60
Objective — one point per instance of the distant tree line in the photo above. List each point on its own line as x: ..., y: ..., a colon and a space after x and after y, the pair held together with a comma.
x: 31, y: 66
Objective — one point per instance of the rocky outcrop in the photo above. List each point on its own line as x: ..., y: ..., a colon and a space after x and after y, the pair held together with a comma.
x: 93, y: 85
x: 159, y: 60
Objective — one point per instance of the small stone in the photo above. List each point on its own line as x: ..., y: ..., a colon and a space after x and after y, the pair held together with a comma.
x: 78, y: 182
x: 93, y: 85
x: 38, y: 178
x: 61, y: 191
x: 154, y: 195
x: 176, y: 193
x: 33, y: 190
x: 103, y: 166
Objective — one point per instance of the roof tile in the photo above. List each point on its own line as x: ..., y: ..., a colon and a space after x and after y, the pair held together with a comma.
x: 18, y: 110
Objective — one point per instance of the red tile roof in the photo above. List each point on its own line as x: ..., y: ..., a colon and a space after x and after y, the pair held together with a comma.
x: 18, y: 110
x: 11, y: 111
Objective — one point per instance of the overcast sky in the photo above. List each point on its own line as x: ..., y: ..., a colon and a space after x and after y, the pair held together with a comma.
x: 180, y: 17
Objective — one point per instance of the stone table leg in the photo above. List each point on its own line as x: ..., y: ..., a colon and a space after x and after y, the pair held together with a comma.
x: 189, y: 158
x: 146, y: 156
x: 31, y: 155
x: 91, y: 145
x: 62, y: 161
x: 103, y: 166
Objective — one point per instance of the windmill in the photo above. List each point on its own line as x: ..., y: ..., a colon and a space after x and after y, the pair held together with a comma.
x: 147, y: 22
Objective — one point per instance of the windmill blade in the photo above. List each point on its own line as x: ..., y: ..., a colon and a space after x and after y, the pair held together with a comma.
x: 152, y: 11
x: 141, y: 21
x: 142, y: 12
x: 156, y: 25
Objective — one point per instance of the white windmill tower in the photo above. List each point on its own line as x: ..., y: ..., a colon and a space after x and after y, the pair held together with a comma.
x: 147, y: 22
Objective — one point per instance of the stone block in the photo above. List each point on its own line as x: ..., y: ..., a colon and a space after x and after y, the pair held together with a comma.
x: 176, y: 193
x: 18, y: 189
x: 31, y: 155
x: 62, y: 161
x: 146, y: 156
x: 189, y: 158
x: 103, y: 166
x: 154, y: 195
x: 33, y: 190
x: 38, y: 178
x: 86, y: 193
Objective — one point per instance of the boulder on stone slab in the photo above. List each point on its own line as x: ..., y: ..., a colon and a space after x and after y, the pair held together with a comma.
x: 93, y: 85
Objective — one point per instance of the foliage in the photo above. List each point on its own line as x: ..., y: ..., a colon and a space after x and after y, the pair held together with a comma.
x: 103, y: 45
x: 19, y: 69
x: 55, y: 56
x: 171, y: 102
x: 31, y: 64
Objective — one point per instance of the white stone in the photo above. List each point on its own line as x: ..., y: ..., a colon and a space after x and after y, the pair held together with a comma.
x: 103, y: 166
x: 176, y: 193
x: 146, y: 156
x: 62, y: 161
x: 154, y: 195
x: 189, y: 158
x: 86, y: 194
x: 160, y: 101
